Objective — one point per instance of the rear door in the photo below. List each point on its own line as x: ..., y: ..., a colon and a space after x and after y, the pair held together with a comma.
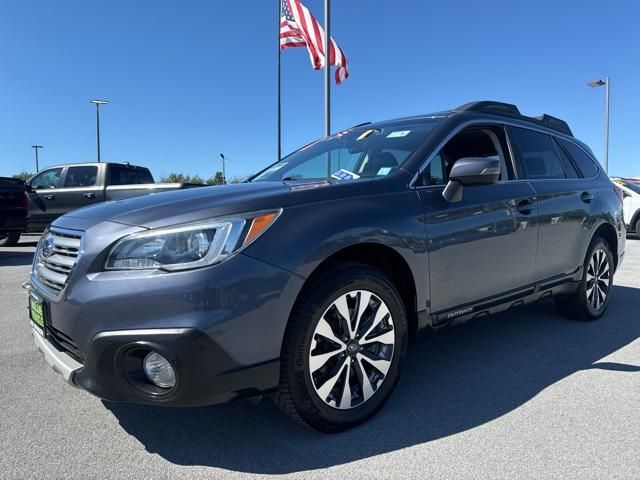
x: 565, y: 202
x: 44, y: 200
x: 81, y: 187
x: 483, y: 246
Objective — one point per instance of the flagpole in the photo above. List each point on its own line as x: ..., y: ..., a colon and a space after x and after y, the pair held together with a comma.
x: 327, y: 67
x: 278, y: 86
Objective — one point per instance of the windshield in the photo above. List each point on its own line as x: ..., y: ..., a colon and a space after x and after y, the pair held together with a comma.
x: 362, y: 152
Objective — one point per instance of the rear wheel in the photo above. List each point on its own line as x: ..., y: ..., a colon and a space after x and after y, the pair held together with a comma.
x: 9, y: 240
x: 343, y: 349
x: 590, y: 300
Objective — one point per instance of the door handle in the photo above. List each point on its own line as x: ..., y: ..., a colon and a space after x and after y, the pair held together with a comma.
x: 526, y: 206
x: 89, y: 195
x: 50, y: 197
x: 586, y: 197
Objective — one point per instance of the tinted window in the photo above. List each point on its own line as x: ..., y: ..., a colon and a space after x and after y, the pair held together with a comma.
x: 585, y: 163
x: 569, y: 168
x: 537, y: 155
x: 47, y: 179
x: 81, y: 177
x: 123, y: 175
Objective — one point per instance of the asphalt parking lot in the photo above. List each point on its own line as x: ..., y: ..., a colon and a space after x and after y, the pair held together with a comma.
x: 523, y: 394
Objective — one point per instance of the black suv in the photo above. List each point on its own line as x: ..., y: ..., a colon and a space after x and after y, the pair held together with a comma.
x: 309, y: 281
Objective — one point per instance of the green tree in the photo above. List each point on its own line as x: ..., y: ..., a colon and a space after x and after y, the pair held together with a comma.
x: 217, y: 179
x: 175, y: 178
x: 197, y: 179
x: 23, y: 175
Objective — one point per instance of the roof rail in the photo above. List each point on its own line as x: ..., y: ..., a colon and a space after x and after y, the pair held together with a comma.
x: 510, y: 110
x: 360, y: 125
x: 554, y: 123
x: 489, y: 106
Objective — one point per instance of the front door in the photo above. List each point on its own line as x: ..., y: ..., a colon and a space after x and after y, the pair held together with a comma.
x: 44, y: 203
x: 485, y: 245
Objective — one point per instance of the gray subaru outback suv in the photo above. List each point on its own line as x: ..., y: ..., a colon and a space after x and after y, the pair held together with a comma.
x: 309, y: 281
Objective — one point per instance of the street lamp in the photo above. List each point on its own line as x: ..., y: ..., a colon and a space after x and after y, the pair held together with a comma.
x: 604, y: 83
x: 224, y: 174
x: 98, y: 103
x: 36, y: 148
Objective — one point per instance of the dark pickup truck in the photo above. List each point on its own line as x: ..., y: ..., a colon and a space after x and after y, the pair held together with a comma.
x: 13, y: 210
x: 63, y: 188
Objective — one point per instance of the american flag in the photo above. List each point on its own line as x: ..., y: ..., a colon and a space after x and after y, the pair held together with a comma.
x: 299, y: 28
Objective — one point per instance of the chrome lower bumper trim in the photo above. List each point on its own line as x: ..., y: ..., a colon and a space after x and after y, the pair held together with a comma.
x: 59, y: 361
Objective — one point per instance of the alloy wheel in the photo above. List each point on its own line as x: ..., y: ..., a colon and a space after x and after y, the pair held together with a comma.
x: 351, y: 349
x: 598, y: 279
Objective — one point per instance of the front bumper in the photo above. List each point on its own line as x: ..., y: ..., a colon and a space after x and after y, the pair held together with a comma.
x: 113, y: 368
x: 59, y: 360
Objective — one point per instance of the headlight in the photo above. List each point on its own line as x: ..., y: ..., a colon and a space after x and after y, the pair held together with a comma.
x: 188, y: 246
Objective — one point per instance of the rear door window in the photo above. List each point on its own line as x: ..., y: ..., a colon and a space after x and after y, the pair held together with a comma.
x: 585, y: 163
x: 81, y: 177
x: 536, y: 154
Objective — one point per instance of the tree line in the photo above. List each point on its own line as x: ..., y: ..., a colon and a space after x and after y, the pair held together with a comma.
x: 216, y: 179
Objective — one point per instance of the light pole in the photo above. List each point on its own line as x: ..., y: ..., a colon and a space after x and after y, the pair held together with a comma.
x: 604, y: 83
x: 98, y: 103
x: 36, y: 148
x: 224, y: 173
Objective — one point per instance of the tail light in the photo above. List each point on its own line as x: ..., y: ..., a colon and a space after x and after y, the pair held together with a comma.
x: 25, y: 203
x: 619, y: 192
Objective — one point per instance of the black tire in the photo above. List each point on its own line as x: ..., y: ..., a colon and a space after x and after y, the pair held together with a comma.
x: 637, y: 227
x: 297, y: 395
x: 10, y: 240
x: 580, y: 304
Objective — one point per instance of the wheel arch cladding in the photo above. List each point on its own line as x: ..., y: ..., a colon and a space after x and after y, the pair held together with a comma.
x: 382, y: 258
x: 608, y: 233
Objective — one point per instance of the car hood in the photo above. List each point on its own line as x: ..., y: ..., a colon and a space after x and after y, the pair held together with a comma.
x: 183, y: 206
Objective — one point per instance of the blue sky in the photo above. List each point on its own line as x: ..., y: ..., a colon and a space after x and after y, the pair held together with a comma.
x: 190, y: 79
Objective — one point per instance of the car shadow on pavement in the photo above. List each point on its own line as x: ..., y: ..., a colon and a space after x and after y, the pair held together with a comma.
x: 14, y: 259
x: 452, y: 382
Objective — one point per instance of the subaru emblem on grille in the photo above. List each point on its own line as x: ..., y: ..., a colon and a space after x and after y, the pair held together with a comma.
x: 47, y: 246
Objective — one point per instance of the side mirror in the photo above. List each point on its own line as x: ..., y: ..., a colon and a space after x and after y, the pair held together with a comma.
x: 470, y: 171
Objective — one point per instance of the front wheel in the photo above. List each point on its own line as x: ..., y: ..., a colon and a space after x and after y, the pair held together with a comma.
x: 343, y: 349
x: 590, y: 300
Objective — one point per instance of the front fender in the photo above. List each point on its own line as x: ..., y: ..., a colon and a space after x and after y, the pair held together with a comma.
x: 305, y: 236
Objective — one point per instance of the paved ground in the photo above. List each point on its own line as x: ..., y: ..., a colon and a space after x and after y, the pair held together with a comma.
x: 523, y: 394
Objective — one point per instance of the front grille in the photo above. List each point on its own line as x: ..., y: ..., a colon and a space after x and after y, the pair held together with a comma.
x: 65, y: 343
x: 57, y: 254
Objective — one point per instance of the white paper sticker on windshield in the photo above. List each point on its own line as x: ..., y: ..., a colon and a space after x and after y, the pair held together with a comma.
x: 399, y: 133
x: 344, y: 174
x: 384, y: 171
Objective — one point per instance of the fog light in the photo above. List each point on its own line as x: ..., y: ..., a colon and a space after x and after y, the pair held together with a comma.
x: 159, y: 370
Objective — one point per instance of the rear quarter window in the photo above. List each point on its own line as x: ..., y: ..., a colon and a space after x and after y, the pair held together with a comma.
x: 585, y: 163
